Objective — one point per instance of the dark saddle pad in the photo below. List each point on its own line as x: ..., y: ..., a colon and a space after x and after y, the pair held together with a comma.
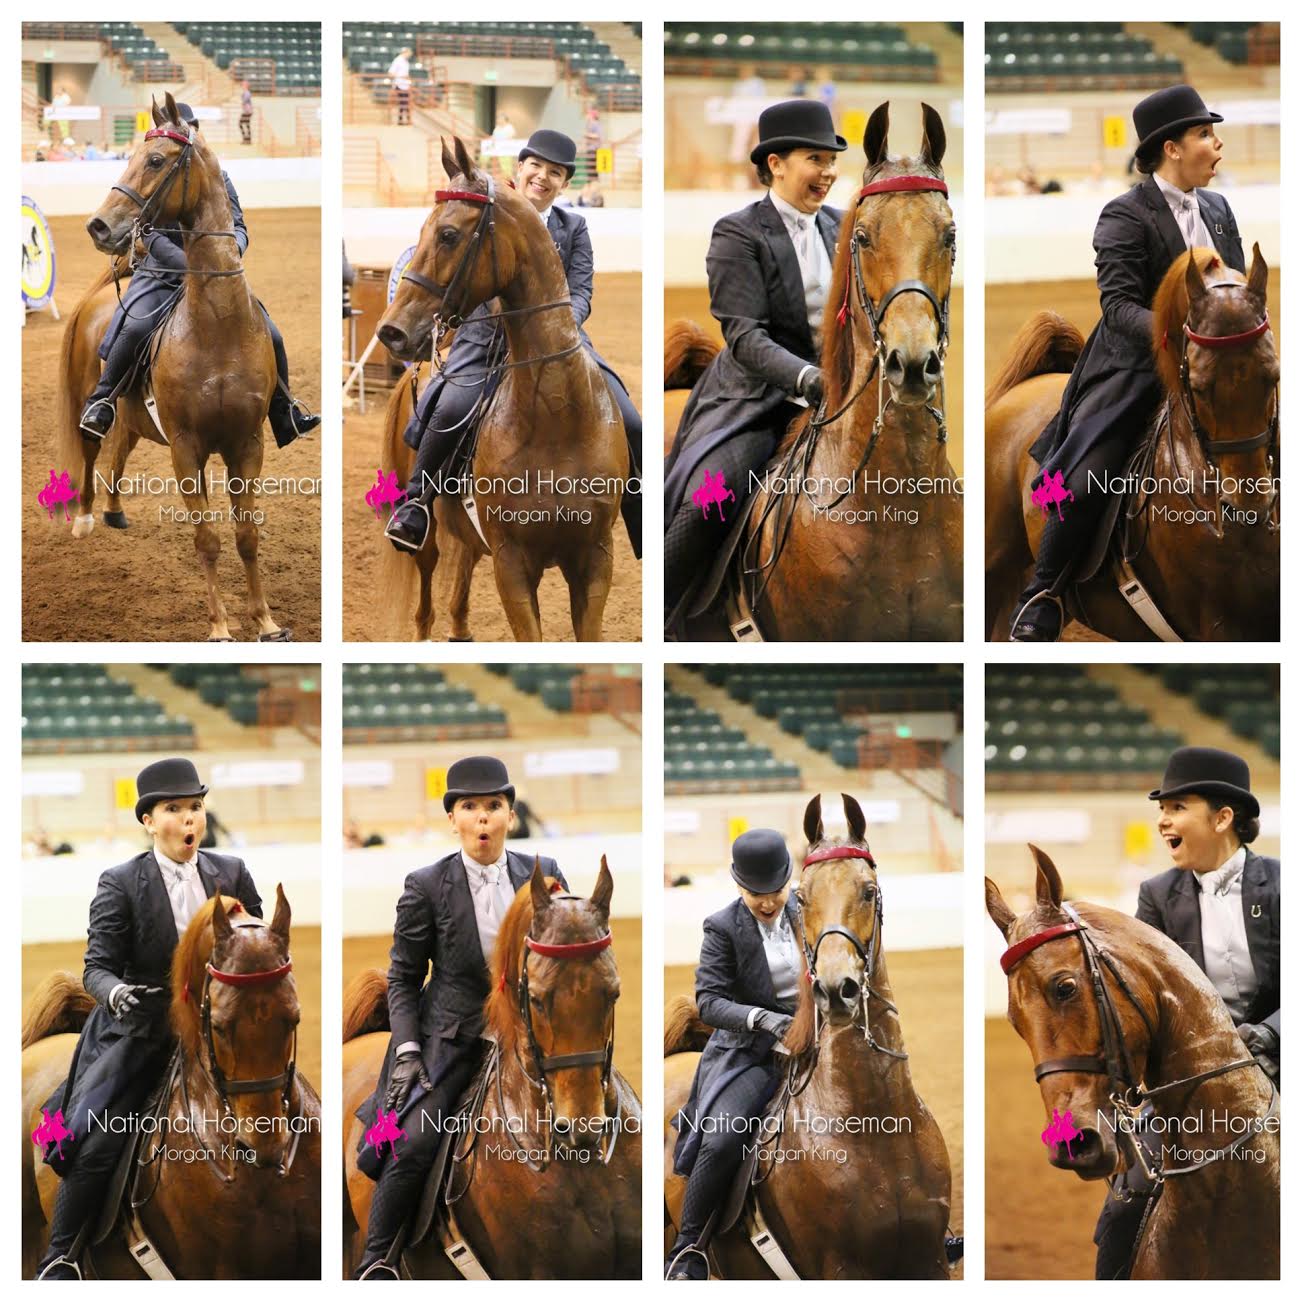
x: 726, y: 567
x: 743, y: 1182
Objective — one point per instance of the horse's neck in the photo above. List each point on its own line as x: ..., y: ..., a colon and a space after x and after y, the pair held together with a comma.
x: 539, y: 278
x: 217, y: 253
x: 1186, y: 458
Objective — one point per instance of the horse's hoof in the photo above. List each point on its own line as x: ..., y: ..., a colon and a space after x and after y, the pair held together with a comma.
x: 280, y: 635
x: 82, y: 526
x: 221, y: 639
x: 461, y: 639
x: 116, y: 520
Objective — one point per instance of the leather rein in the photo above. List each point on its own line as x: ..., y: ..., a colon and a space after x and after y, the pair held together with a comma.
x: 1125, y: 1092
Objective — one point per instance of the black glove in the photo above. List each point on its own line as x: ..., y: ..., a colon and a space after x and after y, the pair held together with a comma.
x: 775, y: 1024
x: 407, y: 1071
x: 125, y: 999
x: 811, y: 387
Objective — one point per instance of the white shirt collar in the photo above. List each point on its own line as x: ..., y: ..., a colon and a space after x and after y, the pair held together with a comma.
x: 792, y: 215
x: 546, y: 212
x: 1174, y: 196
x: 172, y: 866
x: 1220, y: 881
x: 474, y: 866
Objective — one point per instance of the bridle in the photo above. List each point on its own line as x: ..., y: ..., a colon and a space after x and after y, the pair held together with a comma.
x: 485, y: 232
x: 867, y: 952
x: 1125, y: 1093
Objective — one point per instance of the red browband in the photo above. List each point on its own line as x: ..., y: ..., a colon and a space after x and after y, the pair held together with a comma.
x: 1229, y: 341
x: 840, y: 852
x: 583, y: 949
x: 250, y: 978
x: 1014, y: 954
x: 904, y: 184
x: 167, y: 133
x: 468, y: 196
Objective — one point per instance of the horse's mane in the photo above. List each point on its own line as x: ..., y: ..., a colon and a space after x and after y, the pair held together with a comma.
x: 192, y: 952
x: 1171, y: 306
x: 501, y: 1011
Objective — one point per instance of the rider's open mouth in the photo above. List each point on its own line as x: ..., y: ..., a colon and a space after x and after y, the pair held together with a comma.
x: 189, y: 839
x: 1174, y: 842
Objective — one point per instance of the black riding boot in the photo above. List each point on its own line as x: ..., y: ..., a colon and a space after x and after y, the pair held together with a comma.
x: 80, y: 1194
x: 1038, y: 613
x: 289, y: 419
x: 630, y: 506
x: 98, y: 413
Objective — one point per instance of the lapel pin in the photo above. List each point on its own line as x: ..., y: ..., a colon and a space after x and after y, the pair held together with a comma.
x: 1256, y: 908
x: 1220, y: 230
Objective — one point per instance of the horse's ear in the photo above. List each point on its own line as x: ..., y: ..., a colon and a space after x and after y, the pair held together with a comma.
x: 814, y: 820
x: 1193, y: 281
x: 156, y: 111
x: 604, y: 888
x: 933, y: 136
x: 874, y: 135
x: 1002, y: 915
x: 1048, y: 885
x: 1257, y: 274
x: 465, y: 164
x: 854, y: 818
x: 449, y: 159
x: 221, y: 924
x: 538, y: 888
x: 281, y: 918
x: 172, y: 115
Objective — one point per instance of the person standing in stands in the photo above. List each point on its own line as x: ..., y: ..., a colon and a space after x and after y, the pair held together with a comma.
x: 246, y: 113
x: 400, y: 72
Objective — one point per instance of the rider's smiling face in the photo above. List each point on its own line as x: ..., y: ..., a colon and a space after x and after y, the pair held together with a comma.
x: 540, y: 181
x: 804, y: 177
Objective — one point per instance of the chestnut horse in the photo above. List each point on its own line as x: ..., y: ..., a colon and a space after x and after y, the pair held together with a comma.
x: 1203, y: 536
x: 1116, y: 1016
x: 860, y: 503
x: 551, y: 459
x: 549, y: 1185
x: 250, y: 1208
x: 882, y: 1213
x: 213, y: 370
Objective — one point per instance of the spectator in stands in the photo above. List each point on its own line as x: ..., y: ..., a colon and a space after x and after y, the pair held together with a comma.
x: 522, y: 821
x: 590, y: 196
x: 505, y: 129
x: 246, y: 113
x: 545, y: 167
x: 353, y: 835
x: 768, y: 370
x: 153, y: 284
x: 746, y: 986
x: 1220, y: 904
x: 350, y: 278
x: 215, y: 825
x: 58, y: 125
x: 400, y: 75
x: 141, y: 908
x: 1114, y: 389
x: 449, y: 915
x: 591, y: 139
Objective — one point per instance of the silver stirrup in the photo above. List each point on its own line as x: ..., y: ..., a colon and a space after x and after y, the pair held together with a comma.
x: 61, y: 1261
x: 402, y: 542
x: 94, y: 433
x: 375, y: 1267
x: 1043, y: 595
x: 683, y: 1252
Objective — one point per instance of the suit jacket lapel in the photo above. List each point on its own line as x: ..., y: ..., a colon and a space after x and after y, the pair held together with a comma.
x: 208, y: 877
x: 1257, y: 924
x: 1216, y: 229
x: 828, y: 228
x: 1187, y: 918
x: 461, y: 903
x: 793, y: 285
x: 154, y: 901
x: 519, y: 868
x: 556, y: 227
x: 1167, y: 225
x: 753, y: 965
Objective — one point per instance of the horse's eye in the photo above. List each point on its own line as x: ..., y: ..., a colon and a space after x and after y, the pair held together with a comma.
x: 449, y: 235
x: 950, y: 238
x: 869, y: 892
x: 155, y: 160
x: 1064, y: 988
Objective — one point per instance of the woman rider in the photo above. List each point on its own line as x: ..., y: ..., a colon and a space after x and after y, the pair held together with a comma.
x: 1114, y: 388
x: 769, y: 269
x: 746, y: 985
x: 1220, y: 904
x: 152, y: 286
x: 448, y: 918
x: 139, y: 912
x: 456, y: 395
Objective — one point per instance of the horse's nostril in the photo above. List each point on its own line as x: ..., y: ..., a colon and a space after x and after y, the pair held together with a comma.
x: 932, y: 368
x: 848, y: 991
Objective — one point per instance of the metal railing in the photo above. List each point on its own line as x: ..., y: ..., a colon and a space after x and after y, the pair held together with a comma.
x: 372, y: 97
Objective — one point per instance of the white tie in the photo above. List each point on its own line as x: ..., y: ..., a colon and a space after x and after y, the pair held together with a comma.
x: 801, y: 242
x: 1188, y: 220
x: 178, y: 891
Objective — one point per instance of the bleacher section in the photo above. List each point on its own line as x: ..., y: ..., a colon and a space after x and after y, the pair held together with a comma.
x: 408, y: 702
x: 76, y: 708
x: 1074, y: 56
x: 1242, y: 43
x: 701, y: 755
x: 1056, y: 727
x: 856, y: 51
x: 148, y: 60
x: 369, y: 49
x: 1245, y: 697
x: 279, y: 59
x: 573, y: 689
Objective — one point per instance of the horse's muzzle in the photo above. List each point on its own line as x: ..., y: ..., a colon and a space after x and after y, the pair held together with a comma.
x: 1087, y: 1155
x: 404, y: 346
x: 105, y: 238
x: 913, y: 379
x: 838, y: 1001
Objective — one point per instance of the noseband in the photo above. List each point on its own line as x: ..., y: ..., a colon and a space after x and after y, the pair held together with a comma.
x: 1126, y: 1094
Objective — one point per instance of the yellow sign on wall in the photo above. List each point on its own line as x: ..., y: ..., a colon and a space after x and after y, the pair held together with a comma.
x: 1114, y: 133
x: 854, y: 122
x: 736, y: 826
x: 436, y: 783
x: 143, y: 121
x: 1138, y: 841
x: 124, y: 793
x: 605, y: 162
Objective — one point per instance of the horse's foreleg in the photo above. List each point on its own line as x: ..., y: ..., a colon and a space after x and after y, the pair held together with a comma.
x: 463, y: 567
x: 244, y: 507
x: 427, y: 560
x: 588, y: 575
x: 189, y: 471
x: 85, y: 522
x: 114, y: 516
x: 517, y: 586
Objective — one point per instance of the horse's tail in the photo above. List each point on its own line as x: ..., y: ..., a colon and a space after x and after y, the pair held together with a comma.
x: 366, y: 1004
x: 70, y: 396
x: 399, y: 574
x: 688, y: 351
x: 58, y: 1005
x: 1046, y: 345
x: 684, y: 1030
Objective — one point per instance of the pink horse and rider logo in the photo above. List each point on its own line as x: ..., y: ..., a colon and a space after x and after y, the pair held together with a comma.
x: 51, y: 1131
x: 1052, y: 492
x: 384, y: 492
x: 1061, y: 1130
x: 385, y: 1131
x: 713, y: 491
x: 58, y: 493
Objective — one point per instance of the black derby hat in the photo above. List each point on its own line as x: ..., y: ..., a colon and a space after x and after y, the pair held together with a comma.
x: 1206, y: 771
x: 795, y: 124
x: 169, y: 779
x: 552, y: 147
x: 478, y: 775
x: 186, y: 114
x: 760, y: 861
x: 1168, y: 110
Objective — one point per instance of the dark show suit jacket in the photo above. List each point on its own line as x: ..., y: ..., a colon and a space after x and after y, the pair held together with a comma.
x: 131, y: 938
x: 731, y: 979
x: 1171, y: 902
x: 1114, y: 384
x: 156, y: 278
x: 474, y: 338
x: 758, y: 297
x: 435, y: 932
